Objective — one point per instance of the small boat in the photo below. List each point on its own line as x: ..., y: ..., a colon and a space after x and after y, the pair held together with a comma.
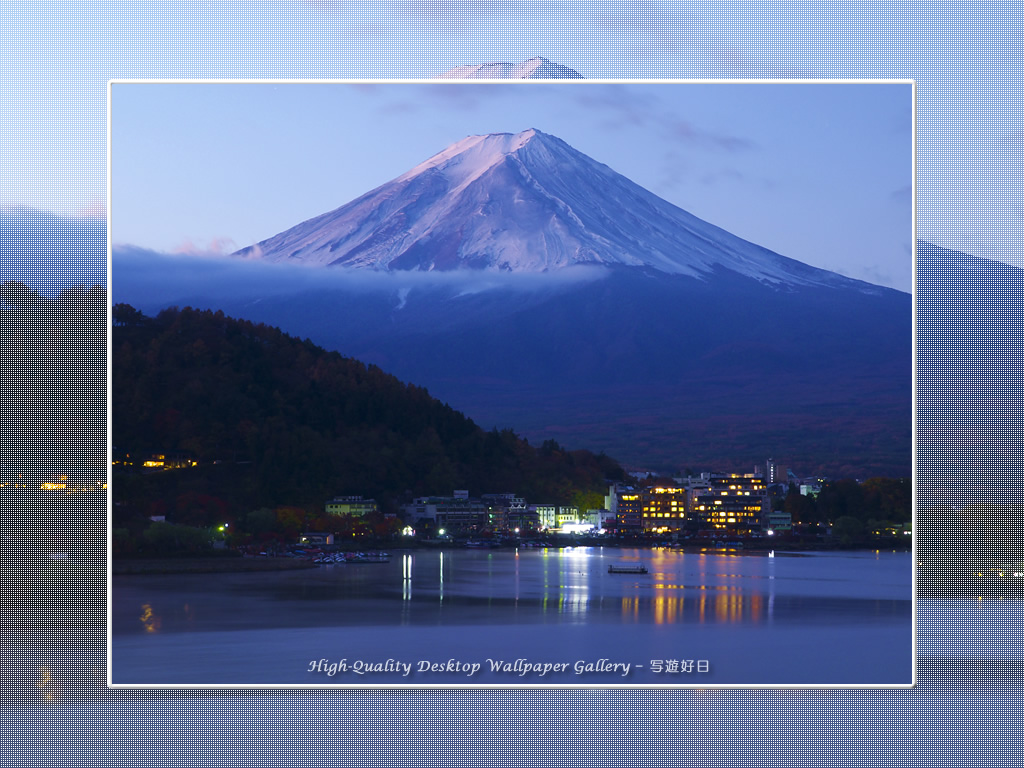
x: 627, y: 568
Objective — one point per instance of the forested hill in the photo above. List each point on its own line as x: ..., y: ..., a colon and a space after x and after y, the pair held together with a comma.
x: 54, y: 385
x: 291, y: 423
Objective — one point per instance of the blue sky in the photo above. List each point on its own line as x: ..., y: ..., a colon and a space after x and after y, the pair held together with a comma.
x: 57, y: 57
x: 818, y: 172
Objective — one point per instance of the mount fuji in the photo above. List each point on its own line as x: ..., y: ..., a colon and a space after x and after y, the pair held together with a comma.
x: 537, y: 67
x: 533, y: 287
x: 524, y: 202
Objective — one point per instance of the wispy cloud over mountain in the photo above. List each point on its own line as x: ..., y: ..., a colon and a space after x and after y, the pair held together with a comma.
x: 151, y: 280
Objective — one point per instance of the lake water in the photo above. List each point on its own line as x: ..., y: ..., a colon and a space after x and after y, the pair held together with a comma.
x: 527, y: 616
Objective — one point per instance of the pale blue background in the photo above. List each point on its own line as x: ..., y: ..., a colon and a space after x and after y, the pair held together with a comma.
x: 55, y: 60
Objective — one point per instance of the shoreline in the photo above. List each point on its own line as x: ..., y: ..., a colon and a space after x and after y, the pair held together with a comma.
x: 174, y: 565
x: 250, y: 564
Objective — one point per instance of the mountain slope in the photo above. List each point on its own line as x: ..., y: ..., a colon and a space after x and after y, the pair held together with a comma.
x: 660, y: 371
x: 525, y: 202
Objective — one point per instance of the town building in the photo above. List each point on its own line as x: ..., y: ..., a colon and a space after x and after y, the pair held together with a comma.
x: 316, y: 538
x: 509, y: 511
x: 775, y: 473
x: 550, y: 516
x: 452, y: 513
x: 356, y: 506
x: 779, y: 522
x: 624, y: 501
x: 663, y: 510
x: 729, y: 503
x: 810, y: 488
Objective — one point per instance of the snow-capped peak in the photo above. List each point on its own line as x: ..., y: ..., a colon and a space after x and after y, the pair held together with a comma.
x: 467, y: 159
x: 524, y: 202
x: 536, y: 68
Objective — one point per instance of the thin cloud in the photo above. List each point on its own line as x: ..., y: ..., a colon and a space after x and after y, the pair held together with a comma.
x: 903, y: 194
x: 153, y: 279
x: 724, y: 175
x: 217, y: 246
x: 683, y: 130
x: 618, y: 106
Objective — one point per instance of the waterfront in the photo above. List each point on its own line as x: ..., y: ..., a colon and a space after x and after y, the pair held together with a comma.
x: 704, y: 618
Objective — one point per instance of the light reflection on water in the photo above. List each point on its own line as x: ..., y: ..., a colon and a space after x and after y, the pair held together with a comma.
x: 529, y: 585
x: 406, y: 577
x: 737, y: 611
x: 150, y: 621
x: 724, y: 608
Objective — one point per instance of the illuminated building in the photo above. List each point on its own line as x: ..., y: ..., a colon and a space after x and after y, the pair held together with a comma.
x: 546, y: 514
x: 316, y: 537
x: 776, y: 473
x: 551, y: 516
x: 663, y: 510
x: 155, y: 461
x: 152, y: 462
x: 729, y: 502
x: 628, y: 510
x: 356, y: 506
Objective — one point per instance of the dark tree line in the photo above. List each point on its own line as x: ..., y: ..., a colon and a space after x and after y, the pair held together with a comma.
x: 53, y: 377
x: 854, y: 509
x: 274, y: 420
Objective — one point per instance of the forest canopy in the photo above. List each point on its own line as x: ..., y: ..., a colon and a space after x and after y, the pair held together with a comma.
x: 269, y: 419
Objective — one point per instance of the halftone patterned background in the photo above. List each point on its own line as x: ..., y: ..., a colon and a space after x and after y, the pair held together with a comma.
x: 55, y: 62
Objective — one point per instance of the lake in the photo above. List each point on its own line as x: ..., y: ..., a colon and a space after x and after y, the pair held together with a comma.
x: 552, y: 616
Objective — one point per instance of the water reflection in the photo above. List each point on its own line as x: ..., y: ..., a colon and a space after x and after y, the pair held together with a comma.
x: 406, y: 577
x: 565, y: 604
x: 574, y: 568
x: 515, y: 576
x: 407, y: 563
x: 575, y: 581
x: 45, y: 684
x: 150, y: 621
x: 572, y: 585
x: 723, y: 608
